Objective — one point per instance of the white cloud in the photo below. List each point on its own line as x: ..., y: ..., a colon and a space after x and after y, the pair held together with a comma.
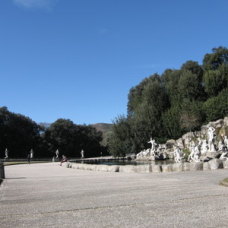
x: 35, y: 3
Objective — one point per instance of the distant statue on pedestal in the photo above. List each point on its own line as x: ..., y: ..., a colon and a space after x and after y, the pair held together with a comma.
x: 31, y: 153
x: 82, y: 154
x: 6, y: 154
x: 57, y: 153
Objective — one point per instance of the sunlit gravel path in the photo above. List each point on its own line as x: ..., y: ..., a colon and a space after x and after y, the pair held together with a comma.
x: 48, y: 195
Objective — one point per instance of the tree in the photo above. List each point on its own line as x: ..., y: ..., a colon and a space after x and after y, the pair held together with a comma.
x: 219, y: 56
x: 216, y: 80
x: 189, y: 86
x: 70, y: 138
x: 216, y: 107
x: 18, y: 133
x: 119, y: 142
x: 191, y: 115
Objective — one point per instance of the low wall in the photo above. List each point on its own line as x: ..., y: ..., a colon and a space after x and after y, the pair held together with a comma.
x: 151, y: 168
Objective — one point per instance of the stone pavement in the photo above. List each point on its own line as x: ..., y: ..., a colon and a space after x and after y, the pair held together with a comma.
x: 47, y: 195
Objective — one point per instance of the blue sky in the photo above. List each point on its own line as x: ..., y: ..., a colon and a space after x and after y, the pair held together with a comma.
x: 77, y: 59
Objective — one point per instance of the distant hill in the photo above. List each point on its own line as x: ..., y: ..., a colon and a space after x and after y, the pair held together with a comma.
x: 45, y: 125
x: 105, y: 128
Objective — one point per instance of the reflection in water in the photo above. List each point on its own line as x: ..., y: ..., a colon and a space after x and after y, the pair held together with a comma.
x: 124, y: 162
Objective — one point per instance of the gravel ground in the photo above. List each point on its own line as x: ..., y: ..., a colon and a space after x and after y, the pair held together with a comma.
x: 48, y: 195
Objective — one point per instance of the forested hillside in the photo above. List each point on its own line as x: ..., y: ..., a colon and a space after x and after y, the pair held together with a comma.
x: 168, y: 105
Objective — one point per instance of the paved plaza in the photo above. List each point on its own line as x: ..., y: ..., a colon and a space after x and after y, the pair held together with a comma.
x: 48, y: 195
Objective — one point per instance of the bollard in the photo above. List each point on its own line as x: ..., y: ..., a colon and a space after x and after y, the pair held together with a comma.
x: 2, y: 171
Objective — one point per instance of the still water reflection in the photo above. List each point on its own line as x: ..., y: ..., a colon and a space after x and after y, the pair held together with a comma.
x: 124, y: 162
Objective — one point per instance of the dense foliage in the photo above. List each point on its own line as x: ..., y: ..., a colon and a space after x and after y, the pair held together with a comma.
x: 19, y: 134
x: 168, y: 105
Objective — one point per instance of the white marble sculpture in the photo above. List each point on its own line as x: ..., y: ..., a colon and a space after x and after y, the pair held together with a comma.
x: 57, y: 153
x: 31, y: 153
x: 196, y: 156
x: 82, y: 153
x: 153, y: 147
x: 178, y: 154
x: 210, y: 133
x: 221, y: 145
x: 143, y: 154
x: 224, y: 156
x: 203, y: 146
x: 6, y: 154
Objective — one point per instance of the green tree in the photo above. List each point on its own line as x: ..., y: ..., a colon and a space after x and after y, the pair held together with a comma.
x: 219, y: 56
x: 119, y: 142
x: 216, y: 107
x: 70, y: 138
x: 216, y: 80
x: 18, y: 133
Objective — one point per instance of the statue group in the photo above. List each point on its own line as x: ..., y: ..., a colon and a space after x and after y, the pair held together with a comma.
x: 199, y: 149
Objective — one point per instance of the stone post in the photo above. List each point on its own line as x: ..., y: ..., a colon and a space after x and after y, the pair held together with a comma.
x: 2, y: 171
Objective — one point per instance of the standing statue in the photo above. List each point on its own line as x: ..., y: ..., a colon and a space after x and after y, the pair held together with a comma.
x: 178, y: 154
x: 203, y: 146
x: 194, y: 156
x: 6, y: 154
x: 31, y: 153
x: 57, y: 153
x: 210, y: 132
x: 153, y: 145
x: 82, y: 154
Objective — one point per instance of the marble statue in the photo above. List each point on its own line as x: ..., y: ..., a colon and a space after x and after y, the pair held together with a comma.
x: 143, y: 154
x: 57, y: 153
x: 153, y: 143
x: 210, y: 133
x: 153, y: 147
x: 31, y: 153
x: 178, y: 154
x: 6, y: 154
x: 195, y: 152
x: 82, y: 153
x: 221, y: 145
x: 224, y: 155
x: 203, y: 146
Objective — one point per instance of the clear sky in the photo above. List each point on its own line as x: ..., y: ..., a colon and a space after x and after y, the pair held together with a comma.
x: 77, y: 59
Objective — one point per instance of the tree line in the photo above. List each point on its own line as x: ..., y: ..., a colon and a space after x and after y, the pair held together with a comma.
x: 19, y: 134
x: 177, y: 101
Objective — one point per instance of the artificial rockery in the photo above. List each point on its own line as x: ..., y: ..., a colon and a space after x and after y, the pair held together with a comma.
x: 211, y: 142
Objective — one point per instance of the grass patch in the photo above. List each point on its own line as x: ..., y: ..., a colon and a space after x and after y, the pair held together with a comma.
x: 224, y: 182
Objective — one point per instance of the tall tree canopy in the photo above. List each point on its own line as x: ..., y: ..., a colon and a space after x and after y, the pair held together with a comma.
x: 168, y: 105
